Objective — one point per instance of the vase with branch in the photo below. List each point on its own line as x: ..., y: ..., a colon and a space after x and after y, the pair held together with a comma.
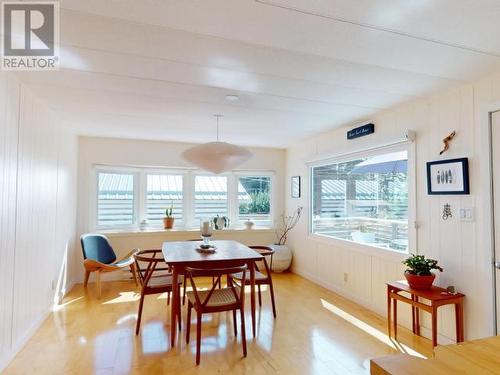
x: 282, y: 257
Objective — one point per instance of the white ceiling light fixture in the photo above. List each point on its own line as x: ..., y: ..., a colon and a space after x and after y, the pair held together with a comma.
x: 216, y: 157
x: 232, y: 98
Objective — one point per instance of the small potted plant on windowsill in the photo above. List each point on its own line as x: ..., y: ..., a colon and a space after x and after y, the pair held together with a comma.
x: 168, y: 220
x: 418, y: 274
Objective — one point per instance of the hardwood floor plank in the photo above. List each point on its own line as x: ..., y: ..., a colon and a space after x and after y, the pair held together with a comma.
x: 316, y: 332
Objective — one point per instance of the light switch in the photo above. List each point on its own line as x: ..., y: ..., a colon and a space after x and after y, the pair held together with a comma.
x: 466, y: 214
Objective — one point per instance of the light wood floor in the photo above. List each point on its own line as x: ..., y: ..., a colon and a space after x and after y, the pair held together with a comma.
x: 316, y: 332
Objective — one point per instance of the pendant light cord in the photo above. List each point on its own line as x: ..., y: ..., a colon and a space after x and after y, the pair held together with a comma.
x: 217, y: 117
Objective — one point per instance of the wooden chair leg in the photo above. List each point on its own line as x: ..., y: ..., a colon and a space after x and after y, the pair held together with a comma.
x: 184, y: 287
x: 168, y: 298
x: 198, y: 338
x: 139, y: 315
x: 86, y: 279
x: 188, y: 322
x: 243, y: 334
x: 260, y: 296
x: 271, y: 291
x: 98, y: 282
x: 134, y: 273
x: 235, y: 325
x: 179, y: 315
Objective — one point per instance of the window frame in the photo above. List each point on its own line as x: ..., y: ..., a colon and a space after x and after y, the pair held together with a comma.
x: 272, y: 193
x: 95, y: 206
x: 143, y: 193
x: 188, y: 187
x: 412, y: 207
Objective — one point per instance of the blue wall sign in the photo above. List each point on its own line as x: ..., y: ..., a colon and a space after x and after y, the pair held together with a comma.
x: 361, y: 131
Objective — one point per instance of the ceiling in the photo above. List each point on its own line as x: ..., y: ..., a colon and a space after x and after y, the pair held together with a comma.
x: 159, y: 69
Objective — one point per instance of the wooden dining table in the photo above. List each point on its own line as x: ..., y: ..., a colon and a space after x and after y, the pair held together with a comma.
x: 182, y: 254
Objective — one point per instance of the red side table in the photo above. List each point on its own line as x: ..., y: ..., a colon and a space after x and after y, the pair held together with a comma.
x: 436, y: 296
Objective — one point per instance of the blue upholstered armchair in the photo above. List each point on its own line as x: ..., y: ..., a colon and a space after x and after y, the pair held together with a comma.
x: 99, y: 257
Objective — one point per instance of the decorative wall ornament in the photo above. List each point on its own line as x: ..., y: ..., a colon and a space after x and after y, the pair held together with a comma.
x: 448, y: 177
x: 447, y: 214
x: 447, y: 141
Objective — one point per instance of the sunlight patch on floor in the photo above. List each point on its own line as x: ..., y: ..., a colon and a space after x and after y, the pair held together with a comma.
x: 124, y: 297
x: 382, y: 337
x: 63, y: 305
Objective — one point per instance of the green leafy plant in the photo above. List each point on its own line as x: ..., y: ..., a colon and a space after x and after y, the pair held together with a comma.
x: 169, y: 210
x: 420, y: 265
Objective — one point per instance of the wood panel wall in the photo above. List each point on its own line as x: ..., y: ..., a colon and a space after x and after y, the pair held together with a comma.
x: 463, y: 248
x: 37, y: 213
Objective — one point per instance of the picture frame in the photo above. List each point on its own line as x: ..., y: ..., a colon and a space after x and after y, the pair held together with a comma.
x: 448, y: 177
x: 295, y: 186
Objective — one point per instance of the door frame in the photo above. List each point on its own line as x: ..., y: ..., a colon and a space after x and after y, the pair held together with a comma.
x: 495, y: 248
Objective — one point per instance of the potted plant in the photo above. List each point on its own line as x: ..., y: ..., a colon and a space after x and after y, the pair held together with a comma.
x: 419, y: 273
x: 168, y: 220
x: 282, y: 258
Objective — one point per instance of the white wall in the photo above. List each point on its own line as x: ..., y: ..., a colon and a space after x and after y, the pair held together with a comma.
x: 37, y: 213
x: 463, y: 248
x: 124, y: 152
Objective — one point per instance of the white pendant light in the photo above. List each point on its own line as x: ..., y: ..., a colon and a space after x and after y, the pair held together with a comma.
x: 217, y: 157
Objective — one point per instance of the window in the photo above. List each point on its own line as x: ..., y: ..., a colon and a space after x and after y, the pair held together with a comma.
x: 210, y: 196
x: 126, y: 196
x: 115, y: 199
x: 363, y: 200
x: 254, y: 199
x: 162, y: 191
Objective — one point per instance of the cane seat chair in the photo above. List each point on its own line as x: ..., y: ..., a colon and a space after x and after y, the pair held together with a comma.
x: 153, y: 279
x: 213, y: 300
x: 262, y: 274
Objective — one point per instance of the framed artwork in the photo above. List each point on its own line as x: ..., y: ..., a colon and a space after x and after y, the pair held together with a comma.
x: 295, y: 186
x: 448, y: 177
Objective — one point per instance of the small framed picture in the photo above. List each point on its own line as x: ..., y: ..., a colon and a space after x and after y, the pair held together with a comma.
x: 295, y: 186
x: 448, y: 177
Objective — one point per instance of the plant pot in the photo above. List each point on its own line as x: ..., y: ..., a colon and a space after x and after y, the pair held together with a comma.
x: 168, y: 222
x: 282, y: 258
x: 419, y: 282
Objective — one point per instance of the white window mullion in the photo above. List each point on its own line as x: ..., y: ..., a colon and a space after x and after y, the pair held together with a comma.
x: 188, y: 204
x: 232, y: 195
x: 140, y: 196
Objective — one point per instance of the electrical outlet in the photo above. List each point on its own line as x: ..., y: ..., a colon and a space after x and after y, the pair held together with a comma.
x: 346, y: 277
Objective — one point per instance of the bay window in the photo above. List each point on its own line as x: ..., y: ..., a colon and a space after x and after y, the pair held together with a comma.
x: 127, y: 196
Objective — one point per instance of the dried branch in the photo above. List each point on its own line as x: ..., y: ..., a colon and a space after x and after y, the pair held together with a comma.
x: 288, y: 223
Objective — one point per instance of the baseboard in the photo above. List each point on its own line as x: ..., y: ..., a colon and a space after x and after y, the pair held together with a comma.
x: 333, y: 288
x: 424, y: 331
x: 6, y: 358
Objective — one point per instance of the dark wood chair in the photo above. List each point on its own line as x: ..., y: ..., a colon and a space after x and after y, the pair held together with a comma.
x: 153, y: 279
x: 262, y: 274
x: 215, y: 300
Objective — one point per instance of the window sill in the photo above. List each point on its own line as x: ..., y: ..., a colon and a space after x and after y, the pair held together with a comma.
x: 371, y: 250
x: 177, y: 231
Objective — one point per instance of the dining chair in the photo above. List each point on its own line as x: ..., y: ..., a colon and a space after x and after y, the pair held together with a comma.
x: 262, y: 274
x: 99, y: 257
x: 152, y: 279
x: 213, y: 300
x: 184, y: 281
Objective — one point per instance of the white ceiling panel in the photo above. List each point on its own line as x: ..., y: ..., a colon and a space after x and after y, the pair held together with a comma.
x: 159, y: 69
